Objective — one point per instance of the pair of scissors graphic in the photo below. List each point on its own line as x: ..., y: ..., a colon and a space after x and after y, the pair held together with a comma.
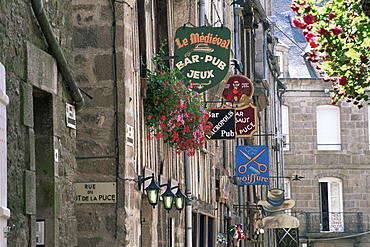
x: 261, y: 167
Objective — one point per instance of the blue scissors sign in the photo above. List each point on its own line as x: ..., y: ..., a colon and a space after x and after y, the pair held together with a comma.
x: 252, y: 165
x: 261, y: 167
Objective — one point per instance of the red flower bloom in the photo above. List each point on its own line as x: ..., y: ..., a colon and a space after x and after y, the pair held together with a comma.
x: 149, y: 117
x: 337, y: 30
x: 175, y: 135
x: 342, y: 81
x: 311, y: 37
x: 295, y: 8
x: 313, y: 44
x: 331, y: 15
x: 309, y: 19
x: 298, y: 24
x: 323, y: 31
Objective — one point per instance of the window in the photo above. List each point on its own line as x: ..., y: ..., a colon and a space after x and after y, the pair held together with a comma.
x: 285, y: 127
x: 279, y: 55
x: 202, y: 230
x: 328, y: 127
x: 282, y: 56
x: 331, y: 204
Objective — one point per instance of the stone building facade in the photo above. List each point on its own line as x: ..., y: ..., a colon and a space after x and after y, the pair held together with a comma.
x: 326, y: 157
x: 331, y: 199
x: 92, y: 57
x: 40, y: 151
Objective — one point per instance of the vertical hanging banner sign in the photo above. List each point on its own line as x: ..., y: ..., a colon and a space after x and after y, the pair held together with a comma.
x: 252, y: 165
x: 202, y: 55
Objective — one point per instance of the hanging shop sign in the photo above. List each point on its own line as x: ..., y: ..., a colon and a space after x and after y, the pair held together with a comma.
x: 224, y: 185
x: 96, y: 192
x: 202, y: 55
x: 287, y: 237
x: 245, y: 121
x: 238, y: 93
x: 252, y: 165
x: 238, y: 90
x: 223, y: 121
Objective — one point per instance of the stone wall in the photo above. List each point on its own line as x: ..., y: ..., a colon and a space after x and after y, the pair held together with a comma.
x: 351, y: 164
x: 40, y: 147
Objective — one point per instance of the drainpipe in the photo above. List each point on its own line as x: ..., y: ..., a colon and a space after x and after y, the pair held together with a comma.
x: 38, y: 9
x: 201, y: 12
x: 237, y: 11
x: 189, y: 206
x: 281, y: 129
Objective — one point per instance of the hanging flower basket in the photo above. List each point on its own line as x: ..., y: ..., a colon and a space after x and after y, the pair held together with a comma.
x: 173, y: 111
x: 338, y: 34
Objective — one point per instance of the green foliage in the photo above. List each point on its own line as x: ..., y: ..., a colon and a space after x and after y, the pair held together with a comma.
x: 338, y: 33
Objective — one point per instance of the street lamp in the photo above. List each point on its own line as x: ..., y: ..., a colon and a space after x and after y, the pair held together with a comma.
x: 152, y: 190
x: 168, y: 197
x: 179, y: 199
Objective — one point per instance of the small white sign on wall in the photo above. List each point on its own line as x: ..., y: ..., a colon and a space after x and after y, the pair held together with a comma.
x: 129, y: 135
x: 70, y: 116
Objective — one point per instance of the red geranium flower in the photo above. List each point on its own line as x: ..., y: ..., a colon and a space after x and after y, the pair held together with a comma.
x: 337, y: 30
x: 342, y: 81
x: 298, y: 24
x: 309, y: 19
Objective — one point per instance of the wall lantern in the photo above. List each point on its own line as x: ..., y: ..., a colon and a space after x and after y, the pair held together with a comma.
x: 169, y: 198
x: 179, y: 199
x: 152, y: 190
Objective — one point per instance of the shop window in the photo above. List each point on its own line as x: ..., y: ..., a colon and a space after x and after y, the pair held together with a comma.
x: 328, y: 127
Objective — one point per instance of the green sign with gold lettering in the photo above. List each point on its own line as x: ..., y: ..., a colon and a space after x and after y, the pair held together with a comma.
x: 203, y: 55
